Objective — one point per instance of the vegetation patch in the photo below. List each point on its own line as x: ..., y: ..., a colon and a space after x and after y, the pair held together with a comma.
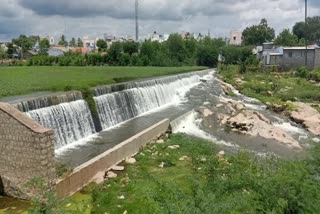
x: 272, y: 87
x: 23, y: 80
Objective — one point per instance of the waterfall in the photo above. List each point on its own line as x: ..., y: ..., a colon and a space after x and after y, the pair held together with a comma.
x: 137, y: 98
x: 70, y: 121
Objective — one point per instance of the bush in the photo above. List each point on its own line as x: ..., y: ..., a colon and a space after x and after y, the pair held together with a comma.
x: 301, y: 72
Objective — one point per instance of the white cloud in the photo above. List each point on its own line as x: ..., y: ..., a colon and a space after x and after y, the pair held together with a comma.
x: 95, y: 17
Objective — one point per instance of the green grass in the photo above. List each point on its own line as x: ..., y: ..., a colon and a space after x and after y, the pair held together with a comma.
x: 282, y: 86
x: 241, y: 183
x: 23, y: 80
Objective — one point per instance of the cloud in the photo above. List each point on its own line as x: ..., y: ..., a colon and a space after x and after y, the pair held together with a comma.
x: 96, y: 17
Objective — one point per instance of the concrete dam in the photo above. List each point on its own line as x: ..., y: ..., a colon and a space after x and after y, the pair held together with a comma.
x: 73, y: 120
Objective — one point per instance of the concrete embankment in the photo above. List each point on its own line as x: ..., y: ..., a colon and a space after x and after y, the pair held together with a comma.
x: 87, y: 172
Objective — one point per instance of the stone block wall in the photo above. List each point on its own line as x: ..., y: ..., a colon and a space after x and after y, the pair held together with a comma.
x: 26, y: 152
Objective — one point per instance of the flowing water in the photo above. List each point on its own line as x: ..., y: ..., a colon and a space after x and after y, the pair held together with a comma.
x: 117, y: 107
x: 70, y: 121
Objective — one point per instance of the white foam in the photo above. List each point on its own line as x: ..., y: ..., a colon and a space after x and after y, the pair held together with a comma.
x: 191, y: 125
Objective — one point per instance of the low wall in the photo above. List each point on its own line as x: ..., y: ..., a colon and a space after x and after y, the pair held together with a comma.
x: 85, y: 173
x: 26, y: 151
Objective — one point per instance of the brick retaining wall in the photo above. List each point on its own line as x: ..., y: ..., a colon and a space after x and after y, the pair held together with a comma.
x: 26, y: 151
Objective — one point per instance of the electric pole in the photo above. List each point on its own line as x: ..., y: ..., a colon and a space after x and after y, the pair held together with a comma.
x: 137, y: 19
x: 305, y: 32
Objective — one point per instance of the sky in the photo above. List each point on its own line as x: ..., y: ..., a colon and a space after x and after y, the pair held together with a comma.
x: 93, y: 18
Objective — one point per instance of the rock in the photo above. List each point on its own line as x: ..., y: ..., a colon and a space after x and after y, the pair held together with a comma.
x: 121, y: 197
x: 205, y: 112
x: 174, y: 147
x: 162, y: 164
x: 111, y: 175
x: 117, y: 168
x: 160, y: 141
x: 230, y: 110
x: 270, y: 93
x: 219, y: 105
x: 203, y: 160
x: 307, y: 116
x: 183, y: 158
x: 131, y: 160
x: 317, y: 140
x: 240, y: 106
x: 221, y: 155
x: 276, y: 107
x: 255, y: 124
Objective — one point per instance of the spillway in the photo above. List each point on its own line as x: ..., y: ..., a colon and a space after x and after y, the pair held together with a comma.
x: 137, y: 98
x: 70, y: 121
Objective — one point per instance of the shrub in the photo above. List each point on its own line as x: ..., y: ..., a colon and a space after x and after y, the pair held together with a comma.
x: 301, y: 72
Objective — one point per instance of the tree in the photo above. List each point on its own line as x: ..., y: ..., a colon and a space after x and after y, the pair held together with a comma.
x: 258, y: 34
x: 311, y: 32
x: 44, y: 45
x: 79, y: 43
x: 3, y: 54
x: 63, y: 41
x: 10, y: 50
x: 114, y: 53
x: 177, y: 50
x: 24, y: 42
x: 299, y: 30
x: 102, y: 45
x: 73, y: 42
x: 286, y: 38
x: 130, y: 47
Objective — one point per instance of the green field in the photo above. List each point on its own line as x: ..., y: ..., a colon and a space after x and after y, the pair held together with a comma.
x: 23, y: 80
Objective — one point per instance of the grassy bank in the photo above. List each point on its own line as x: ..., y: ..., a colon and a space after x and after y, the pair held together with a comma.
x: 194, y: 179
x: 22, y: 80
x: 271, y: 87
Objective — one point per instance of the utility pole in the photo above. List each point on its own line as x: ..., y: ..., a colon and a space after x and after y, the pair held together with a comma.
x: 305, y: 32
x: 137, y: 19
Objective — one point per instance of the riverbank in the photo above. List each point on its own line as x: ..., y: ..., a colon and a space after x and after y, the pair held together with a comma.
x: 183, y: 174
x: 289, y: 93
x: 23, y: 79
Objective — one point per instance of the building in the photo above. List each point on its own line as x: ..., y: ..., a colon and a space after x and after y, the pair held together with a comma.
x: 288, y: 58
x: 89, y: 43
x: 236, y: 38
x: 49, y: 38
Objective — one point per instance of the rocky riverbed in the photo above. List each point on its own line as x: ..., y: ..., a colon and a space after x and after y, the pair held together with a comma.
x: 232, y: 119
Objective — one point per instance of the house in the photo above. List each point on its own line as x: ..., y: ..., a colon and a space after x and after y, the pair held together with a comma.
x: 291, y: 57
x: 89, y: 43
x: 57, y: 51
x: 236, y: 38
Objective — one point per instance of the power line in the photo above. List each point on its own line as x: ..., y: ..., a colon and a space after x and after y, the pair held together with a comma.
x: 305, y: 32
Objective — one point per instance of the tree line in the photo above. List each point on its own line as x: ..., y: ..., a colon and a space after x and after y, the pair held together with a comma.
x: 176, y: 51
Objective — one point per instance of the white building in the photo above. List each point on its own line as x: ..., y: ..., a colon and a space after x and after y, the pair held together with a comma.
x: 236, y: 38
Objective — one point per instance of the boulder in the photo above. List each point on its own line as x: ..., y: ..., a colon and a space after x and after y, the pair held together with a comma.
x: 255, y: 124
x: 174, y: 147
x: 160, y: 141
x: 131, y: 160
x: 308, y: 116
x: 111, y: 175
x: 118, y: 168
